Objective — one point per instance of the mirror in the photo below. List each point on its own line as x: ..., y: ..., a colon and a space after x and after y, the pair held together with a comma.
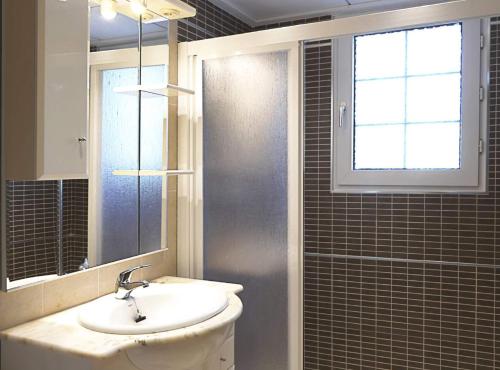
x: 57, y: 225
x: 129, y: 131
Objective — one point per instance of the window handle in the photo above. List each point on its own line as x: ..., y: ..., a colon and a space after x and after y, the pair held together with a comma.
x: 342, y: 110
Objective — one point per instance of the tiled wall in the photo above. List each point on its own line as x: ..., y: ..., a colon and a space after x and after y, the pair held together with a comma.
x: 31, y: 228
x: 209, y: 22
x: 293, y: 23
x: 31, y: 302
x: 75, y: 221
x: 397, y: 281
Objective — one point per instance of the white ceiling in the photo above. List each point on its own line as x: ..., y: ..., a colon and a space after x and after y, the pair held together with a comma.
x: 257, y: 12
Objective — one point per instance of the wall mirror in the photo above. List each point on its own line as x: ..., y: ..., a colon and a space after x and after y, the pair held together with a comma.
x: 98, y: 174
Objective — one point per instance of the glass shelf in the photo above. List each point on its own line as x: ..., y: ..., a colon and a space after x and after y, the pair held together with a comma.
x: 166, y: 90
x: 144, y: 173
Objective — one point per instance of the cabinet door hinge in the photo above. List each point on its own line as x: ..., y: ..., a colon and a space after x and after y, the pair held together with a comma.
x: 482, y: 41
x: 481, y: 93
x: 481, y: 146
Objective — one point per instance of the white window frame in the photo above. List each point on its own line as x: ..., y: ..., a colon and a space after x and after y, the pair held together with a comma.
x: 469, y: 178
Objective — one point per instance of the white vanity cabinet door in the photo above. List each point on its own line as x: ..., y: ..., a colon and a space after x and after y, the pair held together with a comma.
x: 226, y: 356
x: 45, y: 90
x: 223, y: 359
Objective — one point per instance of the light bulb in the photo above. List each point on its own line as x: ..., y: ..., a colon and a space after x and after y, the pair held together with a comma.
x: 137, y: 6
x: 108, y: 10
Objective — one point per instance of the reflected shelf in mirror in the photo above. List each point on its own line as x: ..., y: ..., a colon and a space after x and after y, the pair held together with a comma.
x: 151, y: 91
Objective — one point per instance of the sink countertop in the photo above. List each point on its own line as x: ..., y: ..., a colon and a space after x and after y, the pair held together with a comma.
x: 62, y: 331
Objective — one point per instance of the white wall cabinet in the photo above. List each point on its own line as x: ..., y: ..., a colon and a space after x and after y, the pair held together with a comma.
x: 45, y: 88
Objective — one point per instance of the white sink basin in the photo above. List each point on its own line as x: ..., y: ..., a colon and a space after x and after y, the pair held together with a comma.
x: 166, y: 307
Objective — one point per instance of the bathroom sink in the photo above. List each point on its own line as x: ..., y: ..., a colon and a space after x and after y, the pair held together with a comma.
x: 165, y: 307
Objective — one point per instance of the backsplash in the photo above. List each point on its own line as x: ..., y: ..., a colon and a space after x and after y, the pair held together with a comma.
x: 397, y: 281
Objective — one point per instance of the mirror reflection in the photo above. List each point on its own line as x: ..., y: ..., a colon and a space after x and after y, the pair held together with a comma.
x: 64, y: 217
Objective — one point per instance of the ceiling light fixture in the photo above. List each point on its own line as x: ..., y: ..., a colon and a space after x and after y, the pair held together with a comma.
x: 149, y: 11
x: 108, y: 9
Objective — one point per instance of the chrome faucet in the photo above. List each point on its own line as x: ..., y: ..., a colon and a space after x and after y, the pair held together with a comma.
x: 123, y: 282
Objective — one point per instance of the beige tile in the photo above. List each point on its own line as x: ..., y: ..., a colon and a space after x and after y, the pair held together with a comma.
x: 20, y: 305
x: 108, y: 273
x: 160, y: 265
x: 70, y: 291
x: 171, y: 261
x: 28, y: 303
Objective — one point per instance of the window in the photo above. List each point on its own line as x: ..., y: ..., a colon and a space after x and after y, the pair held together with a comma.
x: 410, y: 110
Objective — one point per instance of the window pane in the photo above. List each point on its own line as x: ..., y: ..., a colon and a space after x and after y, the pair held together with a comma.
x: 379, y: 56
x: 434, y: 98
x: 435, y: 50
x: 380, y: 101
x: 407, y: 99
x: 378, y: 147
x: 431, y: 146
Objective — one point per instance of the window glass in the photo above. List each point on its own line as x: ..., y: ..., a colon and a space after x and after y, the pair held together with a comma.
x: 407, y: 99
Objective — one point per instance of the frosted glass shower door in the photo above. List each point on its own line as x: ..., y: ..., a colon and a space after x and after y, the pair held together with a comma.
x: 245, y: 197
x: 247, y: 175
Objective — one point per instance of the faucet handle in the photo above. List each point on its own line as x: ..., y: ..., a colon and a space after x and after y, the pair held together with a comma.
x: 124, y: 276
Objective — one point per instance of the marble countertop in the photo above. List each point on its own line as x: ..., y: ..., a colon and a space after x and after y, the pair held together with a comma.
x: 62, y: 332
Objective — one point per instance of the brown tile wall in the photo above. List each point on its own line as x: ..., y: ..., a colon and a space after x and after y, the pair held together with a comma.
x: 293, y: 23
x: 31, y: 228
x: 75, y: 223
x: 397, y: 281
x: 209, y: 22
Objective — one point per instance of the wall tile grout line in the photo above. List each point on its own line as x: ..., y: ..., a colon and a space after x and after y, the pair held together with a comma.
x: 402, y: 260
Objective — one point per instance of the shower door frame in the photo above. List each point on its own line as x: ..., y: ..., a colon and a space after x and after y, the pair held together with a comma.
x: 190, y: 196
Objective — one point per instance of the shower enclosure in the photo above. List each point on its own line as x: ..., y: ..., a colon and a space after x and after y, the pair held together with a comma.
x: 246, y: 223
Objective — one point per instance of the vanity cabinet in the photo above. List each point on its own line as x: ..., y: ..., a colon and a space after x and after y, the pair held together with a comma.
x: 20, y: 355
x: 45, y: 88
x: 223, y: 358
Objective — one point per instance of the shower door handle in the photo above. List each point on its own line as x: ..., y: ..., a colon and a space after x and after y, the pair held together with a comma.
x: 342, y: 110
